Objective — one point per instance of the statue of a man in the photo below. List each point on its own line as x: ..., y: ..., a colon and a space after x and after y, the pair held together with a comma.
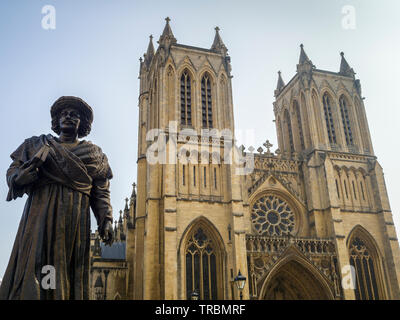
x: 63, y: 177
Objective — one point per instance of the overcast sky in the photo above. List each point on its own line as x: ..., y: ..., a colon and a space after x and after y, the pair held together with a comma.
x: 94, y: 53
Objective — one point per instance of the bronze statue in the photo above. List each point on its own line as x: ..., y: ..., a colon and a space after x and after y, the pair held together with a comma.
x: 63, y: 177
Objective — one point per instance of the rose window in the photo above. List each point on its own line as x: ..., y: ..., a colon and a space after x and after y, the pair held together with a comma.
x: 272, y: 216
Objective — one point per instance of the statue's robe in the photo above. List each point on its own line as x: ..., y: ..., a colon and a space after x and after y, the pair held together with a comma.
x: 55, y: 225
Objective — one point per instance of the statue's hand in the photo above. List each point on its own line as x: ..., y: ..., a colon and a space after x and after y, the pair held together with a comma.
x: 27, y: 175
x: 106, y: 233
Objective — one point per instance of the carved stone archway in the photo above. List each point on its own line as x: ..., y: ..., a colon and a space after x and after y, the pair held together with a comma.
x: 294, y: 282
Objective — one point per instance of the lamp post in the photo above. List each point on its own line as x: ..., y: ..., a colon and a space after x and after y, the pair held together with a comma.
x: 194, y: 296
x: 240, y: 281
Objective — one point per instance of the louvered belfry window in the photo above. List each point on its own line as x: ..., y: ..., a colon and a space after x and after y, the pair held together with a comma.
x: 290, y: 131
x: 329, y: 118
x: 346, y: 121
x: 186, y: 99
x: 201, y: 266
x: 206, y: 102
x: 300, y: 127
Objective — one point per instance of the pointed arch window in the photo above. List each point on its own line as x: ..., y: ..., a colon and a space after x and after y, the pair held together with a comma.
x: 290, y: 131
x: 329, y: 118
x: 206, y: 102
x: 201, y: 266
x: 346, y: 121
x: 361, y: 258
x: 299, y: 126
x: 186, y: 99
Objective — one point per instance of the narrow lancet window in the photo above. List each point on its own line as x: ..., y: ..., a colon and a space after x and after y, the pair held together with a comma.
x: 186, y: 99
x: 290, y: 131
x: 361, y: 258
x: 346, y: 121
x: 329, y: 118
x: 299, y: 126
x: 206, y: 102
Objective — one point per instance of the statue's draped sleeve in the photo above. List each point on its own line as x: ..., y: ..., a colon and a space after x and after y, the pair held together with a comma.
x: 20, y: 156
x: 84, y: 168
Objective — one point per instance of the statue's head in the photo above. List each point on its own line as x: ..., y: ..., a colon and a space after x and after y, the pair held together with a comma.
x: 68, y: 112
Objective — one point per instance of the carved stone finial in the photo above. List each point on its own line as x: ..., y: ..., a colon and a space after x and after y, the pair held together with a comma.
x: 260, y: 150
x: 268, y: 145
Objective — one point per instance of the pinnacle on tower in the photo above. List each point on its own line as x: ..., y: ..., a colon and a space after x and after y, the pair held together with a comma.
x: 345, y: 68
x: 167, y: 37
x: 126, y: 204
x: 150, y: 51
x: 303, y: 56
x: 120, y: 217
x: 218, y: 45
x: 279, y: 85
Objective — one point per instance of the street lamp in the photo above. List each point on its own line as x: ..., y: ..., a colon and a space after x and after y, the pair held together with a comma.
x: 240, y: 281
x: 194, y: 296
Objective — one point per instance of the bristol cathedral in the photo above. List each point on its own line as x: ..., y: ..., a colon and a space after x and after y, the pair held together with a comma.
x: 312, y: 220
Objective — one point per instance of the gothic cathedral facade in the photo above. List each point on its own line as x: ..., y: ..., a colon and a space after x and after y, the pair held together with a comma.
x: 298, y: 225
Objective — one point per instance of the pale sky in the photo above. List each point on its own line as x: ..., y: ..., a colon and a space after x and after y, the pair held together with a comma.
x: 94, y: 53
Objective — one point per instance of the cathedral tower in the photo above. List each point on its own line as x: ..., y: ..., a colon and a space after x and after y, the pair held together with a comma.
x: 321, y: 121
x: 189, y: 213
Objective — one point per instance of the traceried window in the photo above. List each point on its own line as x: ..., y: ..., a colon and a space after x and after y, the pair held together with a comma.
x: 346, y: 121
x: 206, y: 102
x: 329, y: 118
x: 290, y: 131
x: 365, y: 270
x: 201, y: 266
x: 186, y: 99
x: 299, y: 126
x: 272, y: 216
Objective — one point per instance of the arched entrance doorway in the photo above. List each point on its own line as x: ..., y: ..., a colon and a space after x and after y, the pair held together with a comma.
x: 294, y: 281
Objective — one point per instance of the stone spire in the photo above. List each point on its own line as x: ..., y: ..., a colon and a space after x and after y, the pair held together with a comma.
x: 345, y: 68
x: 126, y: 210
x: 218, y: 45
x: 121, y: 231
x: 120, y: 217
x: 132, y: 207
x: 303, y: 55
x: 148, y: 56
x: 97, y: 248
x: 167, y: 38
x: 280, y: 83
x: 305, y: 67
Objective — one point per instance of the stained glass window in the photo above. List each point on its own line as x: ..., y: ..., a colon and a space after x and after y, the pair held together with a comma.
x: 272, y: 216
x: 201, y: 266
x: 366, y: 287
